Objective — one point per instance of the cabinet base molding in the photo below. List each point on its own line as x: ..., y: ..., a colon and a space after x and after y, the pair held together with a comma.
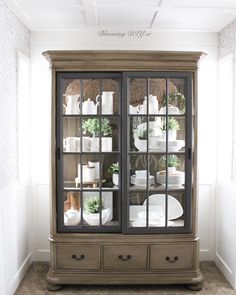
x: 192, y: 278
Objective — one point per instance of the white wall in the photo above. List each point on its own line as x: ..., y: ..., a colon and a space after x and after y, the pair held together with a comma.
x: 41, y: 41
x: 225, y: 255
x: 15, y: 255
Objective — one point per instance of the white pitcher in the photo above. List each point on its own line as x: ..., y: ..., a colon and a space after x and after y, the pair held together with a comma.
x: 153, y: 104
x: 89, y: 107
x: 107, y: 102
x: 72, y: 106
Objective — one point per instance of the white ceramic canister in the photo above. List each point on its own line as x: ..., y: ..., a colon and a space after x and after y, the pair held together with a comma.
x: 96, y: 166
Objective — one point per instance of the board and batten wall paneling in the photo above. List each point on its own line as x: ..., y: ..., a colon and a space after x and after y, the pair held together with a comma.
x: 225, y: 255
x: 226, y: 231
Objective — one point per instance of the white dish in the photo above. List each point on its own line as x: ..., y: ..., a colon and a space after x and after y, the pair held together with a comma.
x: 160, y: 145
x: 175, y: 209
x: 161, y: 223
x: 141, y: 181
x: 176, y: 179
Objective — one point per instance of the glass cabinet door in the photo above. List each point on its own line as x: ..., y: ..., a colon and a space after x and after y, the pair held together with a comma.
x: 158, y: 154
x: 89, y: 152
x: 124, y: 152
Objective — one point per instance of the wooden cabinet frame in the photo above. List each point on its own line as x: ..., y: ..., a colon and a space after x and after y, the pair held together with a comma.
x: 124, y: 61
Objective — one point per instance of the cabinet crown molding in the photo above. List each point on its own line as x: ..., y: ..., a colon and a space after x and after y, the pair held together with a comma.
x: 113, y: 60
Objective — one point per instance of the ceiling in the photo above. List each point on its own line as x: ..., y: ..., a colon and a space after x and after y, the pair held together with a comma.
x: 157, y: 15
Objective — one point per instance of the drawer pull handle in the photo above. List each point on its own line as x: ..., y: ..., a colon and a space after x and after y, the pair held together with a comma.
x: 172, y: 260
x: 128, y: 257
x: 82, y: 256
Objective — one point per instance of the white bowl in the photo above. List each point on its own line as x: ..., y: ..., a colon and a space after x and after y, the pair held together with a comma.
x: 94, y: 218
x: 176, y: 179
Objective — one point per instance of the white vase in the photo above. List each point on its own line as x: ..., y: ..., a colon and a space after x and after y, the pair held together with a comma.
x: 115, y: 178
x: 106, y: 144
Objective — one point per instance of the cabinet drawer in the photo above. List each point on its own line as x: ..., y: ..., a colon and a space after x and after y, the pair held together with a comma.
x: 78, y: 256
x: 172, y: 256
x: 125, y: 257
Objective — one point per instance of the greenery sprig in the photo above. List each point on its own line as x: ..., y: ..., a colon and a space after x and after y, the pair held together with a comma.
x: 114, y: 168
x: 93, y: 205
x: 92, y: 126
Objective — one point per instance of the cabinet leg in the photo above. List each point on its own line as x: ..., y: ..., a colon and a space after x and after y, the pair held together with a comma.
x: 195, y: 287
x: 53, y: 287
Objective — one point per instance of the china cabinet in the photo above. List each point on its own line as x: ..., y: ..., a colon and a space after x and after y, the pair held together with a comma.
x: 124, y: 168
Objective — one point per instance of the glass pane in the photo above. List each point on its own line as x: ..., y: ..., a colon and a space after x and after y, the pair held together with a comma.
x: 155, y: 208
x: 176, y: 209
x: 176, y: 99
x: 70, y: 171
x: 106, y: 129
x: 138, y: 133
x: 89, y: 172
x: 97, y: 209
x: 138, y: 172
x: 175, y: 167
x: 176, y: 134
x: 72, y: 211
x: 112, y: 203
x: 136, y: 206
x: 71, y: 96
x: 136, y: 95
x: 157, y: 94
x: 110, y: 171
x: 110, y: 98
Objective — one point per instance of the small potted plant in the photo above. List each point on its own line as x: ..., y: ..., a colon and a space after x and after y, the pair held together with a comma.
x: 92, y: 126
x: 114, y: 170
x: 176, y: 103
x: 93, y: 207
x: 172, y: 126
x: 175, y: 178
x: 172, y: 162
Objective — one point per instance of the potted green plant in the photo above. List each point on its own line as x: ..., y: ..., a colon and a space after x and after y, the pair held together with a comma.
x: 114, y: 170
x: 172, y: 162
x: 176, y: 103
x: 92, y: 126
x: 172, y: 126
x: 93, y: 207
x: 175, y: 177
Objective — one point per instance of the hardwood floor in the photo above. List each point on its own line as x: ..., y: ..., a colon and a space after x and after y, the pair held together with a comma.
x: 34, y: 283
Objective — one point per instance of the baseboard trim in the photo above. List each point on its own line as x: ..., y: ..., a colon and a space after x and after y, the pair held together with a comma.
x: 224, y: 268
x: 19, y: 275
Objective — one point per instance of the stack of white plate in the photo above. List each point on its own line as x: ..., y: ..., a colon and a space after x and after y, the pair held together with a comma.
x: 142, y: 181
